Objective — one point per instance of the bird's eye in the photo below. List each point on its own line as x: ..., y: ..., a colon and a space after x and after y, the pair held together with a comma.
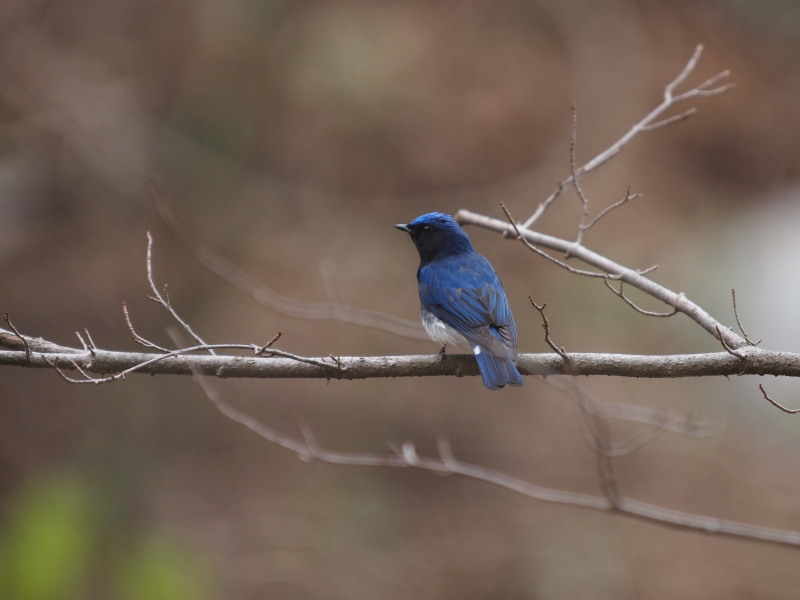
x: 426, y: 229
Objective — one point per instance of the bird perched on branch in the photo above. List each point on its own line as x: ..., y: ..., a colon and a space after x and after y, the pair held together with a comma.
x: 462, y: 299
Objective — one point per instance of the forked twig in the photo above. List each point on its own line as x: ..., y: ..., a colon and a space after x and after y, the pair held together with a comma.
x: 87, y: 346
x: 653, y: 120
x: 625, y: 199
x: 163, y: 298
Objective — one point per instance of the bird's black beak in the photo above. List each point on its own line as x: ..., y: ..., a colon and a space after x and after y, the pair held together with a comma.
x: 402, y: 227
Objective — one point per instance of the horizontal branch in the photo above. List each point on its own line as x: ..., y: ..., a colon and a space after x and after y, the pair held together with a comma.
x: 753, y: 361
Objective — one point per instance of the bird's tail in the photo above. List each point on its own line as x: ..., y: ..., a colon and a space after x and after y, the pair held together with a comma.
x: 497, y: 371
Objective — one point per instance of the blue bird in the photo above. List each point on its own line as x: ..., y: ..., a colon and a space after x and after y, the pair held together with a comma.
x: 462, y: 300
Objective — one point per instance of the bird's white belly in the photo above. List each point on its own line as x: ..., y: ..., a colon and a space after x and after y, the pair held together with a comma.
x: 441, y: 332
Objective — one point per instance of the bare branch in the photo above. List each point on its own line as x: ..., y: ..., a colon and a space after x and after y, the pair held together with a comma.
x: 669, y: 120
x: 546, y: 326
x: 653, y: 120
x: 625, y: 199
x: 613, y: 269
x: 92, y: 345
x: 630, y: 303
x: 738, y: 322
x: 573, y: 138
x: 274, y: 339
x: 146, y: 363
x: 163, y: 299
x: 136, y: 337
x: 728, y: 348
x: 407, y: 456
x: 19, y: 336
x: 755, y: 361
x: 776, y: 404
x: 86, y: 346
x: 544, y: 254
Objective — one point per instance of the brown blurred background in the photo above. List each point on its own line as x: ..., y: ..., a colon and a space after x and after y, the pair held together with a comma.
x: 289, y: 137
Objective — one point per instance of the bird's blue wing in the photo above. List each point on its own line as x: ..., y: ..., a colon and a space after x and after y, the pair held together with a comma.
x: 466, y: 294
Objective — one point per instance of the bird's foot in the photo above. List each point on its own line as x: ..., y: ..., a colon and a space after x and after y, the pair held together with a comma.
x: 442, y: 354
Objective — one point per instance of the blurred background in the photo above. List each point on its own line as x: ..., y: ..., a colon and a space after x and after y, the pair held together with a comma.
x: 289, y: 137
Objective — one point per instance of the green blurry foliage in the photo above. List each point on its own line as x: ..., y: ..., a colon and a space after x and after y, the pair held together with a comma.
x: 47, y: 547
x: 158, y: 570
x: 50, y: 550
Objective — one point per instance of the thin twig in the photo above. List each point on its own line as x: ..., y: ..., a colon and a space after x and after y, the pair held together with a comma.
x: 546, y: 326
x: 625, y: 199
x: 553, y: 259
x: 136, y: 337
x: 274, y: 339
x: 22, y: 339
x: 738, y: 322
x: 669, y: 120
x: 725, y: 345
x: 83, y: 342
x: 776, y: 404
x: 630, y: 303
x: 163, y: 299
x: 573, y: 140
x: 199, y: 348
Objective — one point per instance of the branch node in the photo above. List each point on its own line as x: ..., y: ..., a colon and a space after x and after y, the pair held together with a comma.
x: 727, y: 347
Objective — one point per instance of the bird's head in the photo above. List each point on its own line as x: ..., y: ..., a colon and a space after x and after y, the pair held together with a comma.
x: 436, y: 235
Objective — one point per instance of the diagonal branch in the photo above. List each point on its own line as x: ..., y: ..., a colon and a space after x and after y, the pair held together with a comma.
x: 653, y: 120
x: 613, y: 270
